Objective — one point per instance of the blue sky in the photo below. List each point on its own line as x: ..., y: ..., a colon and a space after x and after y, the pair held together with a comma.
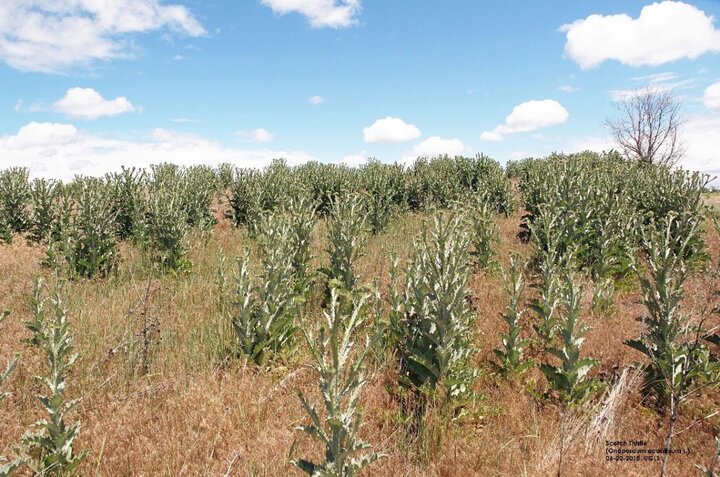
x: 88, y: 85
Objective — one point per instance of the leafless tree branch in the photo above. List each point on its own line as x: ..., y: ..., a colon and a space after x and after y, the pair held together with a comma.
x: 647, y: 126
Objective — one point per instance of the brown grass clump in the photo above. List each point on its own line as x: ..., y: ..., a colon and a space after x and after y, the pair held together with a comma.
x: 177, y: 403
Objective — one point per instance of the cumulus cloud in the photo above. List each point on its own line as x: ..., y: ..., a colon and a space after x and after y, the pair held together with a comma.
x: 86, y: 103
x: 435, y: 146
x: 320, y: 13
x: 315, y: 100
x: 390, y: 129
x: 664, y: 32
x: 701, y: 135
x: 36, y: 135
x: 529, y: 116
x: 354, y: 160
x: 51, y: 36
x: 260, y: 135
x: 61, y: 151
x: 711, y: 98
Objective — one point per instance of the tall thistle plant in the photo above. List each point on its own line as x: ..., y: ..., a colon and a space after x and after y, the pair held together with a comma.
x: 339, y: 362
x: 128, y: 200
x: 84, y: 236
x: 43, y: 196
x: 50, y: 446
x: 432, y: 319
x: 14, y: 199
x: 679, y: 359
x: 264, y: 310
x: 484, y: 233
x: 511, y: 357
x: 570, y: 378
x: 546, y: 236
x: 301, y: 216
x: 347, y: 233
x: 165, y: 228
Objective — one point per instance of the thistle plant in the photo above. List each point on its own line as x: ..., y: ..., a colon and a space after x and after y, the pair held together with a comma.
x: 245, y: 198
x: 128, y: 200
x: 511, y: 355
x: 10, y: 366
x: 383, y: 190
x: 484, y: 234
x: 43, y: 197
x: 301, y: 217
x: 546, y: 304
x: 431, y: 319
x: 14, y: 199
x: 263, y: 314
x: 679, y: 360
x: 340, y: 366
x: 198, y: 186
x: 347, y: 232
x: 86, y: 240
x: 50, y: 446
x: 570, y: 379
x: 165, y: 227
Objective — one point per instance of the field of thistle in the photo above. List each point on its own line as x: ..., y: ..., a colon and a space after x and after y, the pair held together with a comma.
x: 559, y: 316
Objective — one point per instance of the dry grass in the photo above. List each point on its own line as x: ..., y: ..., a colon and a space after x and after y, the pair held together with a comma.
x: 196, y: 412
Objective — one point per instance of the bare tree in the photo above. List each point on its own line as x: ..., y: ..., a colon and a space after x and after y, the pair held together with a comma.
x: 647, y: 127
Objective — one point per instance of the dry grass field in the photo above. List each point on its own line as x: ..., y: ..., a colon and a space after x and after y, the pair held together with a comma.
x: 160, y: 396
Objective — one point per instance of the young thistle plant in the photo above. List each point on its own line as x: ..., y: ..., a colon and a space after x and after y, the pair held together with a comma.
x: 679, y: 360
x: 165, y: 228
x: 10, y: 366
x: 263, y: 314
x: 302, y: 217
x: 50, y: 447
x: 511, y: 355
x: 348, y: 234
x: 484, y: 231
x: 340, y: 366
x: 546, y: 239
x: 431, y: 319
x: 570, y: 379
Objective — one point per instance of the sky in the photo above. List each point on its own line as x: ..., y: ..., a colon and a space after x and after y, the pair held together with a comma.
x: 89, y: 85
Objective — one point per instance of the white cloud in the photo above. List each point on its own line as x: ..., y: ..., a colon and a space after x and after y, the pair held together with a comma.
x: 51, y: 36
x: 701, y: 135
x: 354, y: 160
x: 566, y: 88
x: 390, y: 129
x: 36, y: 135
x: 711, y: 97
x: 529, y: 116
x: 664, y: 32
x: 320, y: 13
x: 436, y: 146
x: 591, y: 143
x: 86, y: 103
x: 260, y: 135
x: 315, y: 100
x: 657, y: 77
x: 657, y: 83
x: 519, y: 155
x: 61, y: 151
